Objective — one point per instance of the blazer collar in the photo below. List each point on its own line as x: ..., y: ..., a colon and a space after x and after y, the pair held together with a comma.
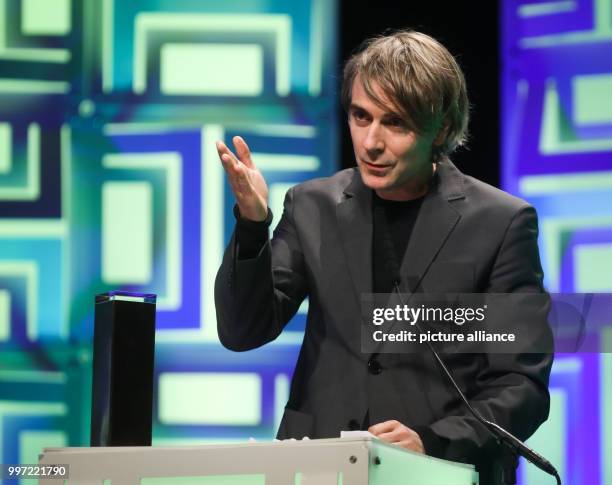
x: 354, y: 216
x: 436, y: 220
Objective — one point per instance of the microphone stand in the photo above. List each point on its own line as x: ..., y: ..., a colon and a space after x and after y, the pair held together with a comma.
x: 516, y: 446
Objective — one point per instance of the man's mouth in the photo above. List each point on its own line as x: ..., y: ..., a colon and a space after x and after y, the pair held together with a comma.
x: 377, y: 166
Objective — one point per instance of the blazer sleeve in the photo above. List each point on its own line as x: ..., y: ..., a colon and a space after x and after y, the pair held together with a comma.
x: 512, y: 389
x: 255, y: 298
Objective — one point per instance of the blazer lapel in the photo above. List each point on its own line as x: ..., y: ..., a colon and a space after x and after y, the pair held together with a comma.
x: 436, y: 220
x: 354, y: 216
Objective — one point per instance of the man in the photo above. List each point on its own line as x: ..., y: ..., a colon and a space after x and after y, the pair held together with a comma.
x: 407, y: 110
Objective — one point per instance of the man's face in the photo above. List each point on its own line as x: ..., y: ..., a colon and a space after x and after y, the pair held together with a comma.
x: 393, y: 160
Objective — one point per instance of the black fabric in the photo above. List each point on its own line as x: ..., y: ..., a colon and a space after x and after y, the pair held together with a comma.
x: 468, y: 238
x: 393, y: 224
x: 251, y: 236
x: 365, y: 424
x: 434, y: 445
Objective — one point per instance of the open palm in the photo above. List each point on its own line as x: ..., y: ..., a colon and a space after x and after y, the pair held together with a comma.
x: 247, y: 182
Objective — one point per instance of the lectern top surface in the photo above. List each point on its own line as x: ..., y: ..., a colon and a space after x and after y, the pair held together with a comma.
x: 126, y: 296
x: 349, y: 439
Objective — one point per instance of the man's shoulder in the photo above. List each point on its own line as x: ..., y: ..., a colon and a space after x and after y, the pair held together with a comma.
x: 489, y: 196
x: 476, y: 200
x: 476, y: 196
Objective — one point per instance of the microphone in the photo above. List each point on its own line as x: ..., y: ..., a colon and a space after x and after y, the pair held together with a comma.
x: 500, y: 434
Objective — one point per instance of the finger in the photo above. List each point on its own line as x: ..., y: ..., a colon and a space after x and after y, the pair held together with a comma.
x: 391, y: 437
x: 383, y: 427
x: 411, y: 445
x: 233, y: 170
x: 237, y: 177
x: 243, y: 151
x: 222, y: 150
x: 232, y: 165
x: 229, y: 166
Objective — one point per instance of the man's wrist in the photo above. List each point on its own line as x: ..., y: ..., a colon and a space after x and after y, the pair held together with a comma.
x: 251, y: 236
x: 256, y: 216
x: 249, y: 223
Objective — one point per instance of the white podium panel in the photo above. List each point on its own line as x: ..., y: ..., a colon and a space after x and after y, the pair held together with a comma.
x: 340, y: 461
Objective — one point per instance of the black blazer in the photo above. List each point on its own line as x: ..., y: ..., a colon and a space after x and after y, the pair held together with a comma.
x: 468, y: 237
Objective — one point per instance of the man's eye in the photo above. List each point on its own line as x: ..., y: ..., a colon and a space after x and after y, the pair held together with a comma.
x: 396, y: 122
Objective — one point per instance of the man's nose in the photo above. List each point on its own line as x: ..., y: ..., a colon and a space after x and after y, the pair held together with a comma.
x: 374, y: 143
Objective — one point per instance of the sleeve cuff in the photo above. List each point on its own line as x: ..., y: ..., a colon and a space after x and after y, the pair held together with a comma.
x: 434, y: 445
x: 251, y: 236
x: 248, y: 224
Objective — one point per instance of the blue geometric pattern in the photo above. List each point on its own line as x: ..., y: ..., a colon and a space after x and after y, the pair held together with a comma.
x: 91, y: 106
x: 557, y: 154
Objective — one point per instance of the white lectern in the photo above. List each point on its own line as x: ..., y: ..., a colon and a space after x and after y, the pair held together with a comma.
x: 340, y: 461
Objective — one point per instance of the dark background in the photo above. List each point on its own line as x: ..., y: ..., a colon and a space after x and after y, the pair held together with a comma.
x: 471, y: 32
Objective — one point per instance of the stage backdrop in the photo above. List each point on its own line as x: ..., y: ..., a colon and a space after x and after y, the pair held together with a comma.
x: 109, y: 179
x: 557, y: 154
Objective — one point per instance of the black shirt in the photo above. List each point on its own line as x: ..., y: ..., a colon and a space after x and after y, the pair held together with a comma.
x: 393, y: 224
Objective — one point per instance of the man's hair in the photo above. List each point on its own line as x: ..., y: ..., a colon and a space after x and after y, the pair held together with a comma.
x: 421, y: 79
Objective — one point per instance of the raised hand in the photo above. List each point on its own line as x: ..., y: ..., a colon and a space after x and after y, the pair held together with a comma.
x: 247, y: 183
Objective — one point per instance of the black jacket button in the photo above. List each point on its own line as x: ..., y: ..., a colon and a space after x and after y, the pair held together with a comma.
x: 353, y: 425
x: 374, y: 367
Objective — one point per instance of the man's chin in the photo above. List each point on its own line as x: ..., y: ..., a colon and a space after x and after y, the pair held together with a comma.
x: 375, y: 182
